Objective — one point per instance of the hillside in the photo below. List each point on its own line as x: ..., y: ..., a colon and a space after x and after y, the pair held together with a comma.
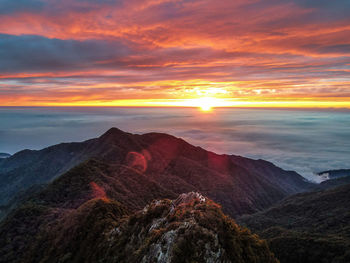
x: 308, y: 227
x: 334, y: 174
x: 328, y: 184
x: 239, y: 184
x: 190, y: 228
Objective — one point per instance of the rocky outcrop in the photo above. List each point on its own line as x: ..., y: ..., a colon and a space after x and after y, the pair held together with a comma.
x: 191, y: 228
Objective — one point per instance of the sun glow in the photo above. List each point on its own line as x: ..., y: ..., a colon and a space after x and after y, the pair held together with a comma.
x: 206, y: 108
x: 206, y: 104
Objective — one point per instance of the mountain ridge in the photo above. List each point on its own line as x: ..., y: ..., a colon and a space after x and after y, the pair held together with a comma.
x: 236, y: 182
x: 126, y: 192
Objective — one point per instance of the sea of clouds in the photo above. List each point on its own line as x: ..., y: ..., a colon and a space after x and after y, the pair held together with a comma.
x: 307, y: 141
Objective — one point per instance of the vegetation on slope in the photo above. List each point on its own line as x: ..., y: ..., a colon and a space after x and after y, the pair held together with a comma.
x: 190, y: 229
x: 309, y: 227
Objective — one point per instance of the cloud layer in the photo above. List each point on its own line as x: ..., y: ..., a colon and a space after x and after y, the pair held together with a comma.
x: 305, y: 141
x: 75, y: 51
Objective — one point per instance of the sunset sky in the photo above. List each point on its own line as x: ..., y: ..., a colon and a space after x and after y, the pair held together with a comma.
x: 269, y: 53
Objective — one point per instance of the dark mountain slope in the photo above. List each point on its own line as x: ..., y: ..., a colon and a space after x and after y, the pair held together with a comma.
x: 27, y: 168
x: 20, y: 229
x: 26, y: 232
x: 73, y: 190
x: 287, y: 180
x: 79, y: 236
x: 97, y: 179
x: 309, y: 227
x: 333, y: 183
x: 241, y: 185
x: 191, y: 228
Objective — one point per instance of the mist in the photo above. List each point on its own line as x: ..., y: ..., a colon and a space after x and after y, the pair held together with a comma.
x: 307, y: 141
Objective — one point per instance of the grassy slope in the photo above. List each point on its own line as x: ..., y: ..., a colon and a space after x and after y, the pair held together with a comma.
x: 309, y: 227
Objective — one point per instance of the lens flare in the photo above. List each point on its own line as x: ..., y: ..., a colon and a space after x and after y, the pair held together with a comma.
x: 138, y: 160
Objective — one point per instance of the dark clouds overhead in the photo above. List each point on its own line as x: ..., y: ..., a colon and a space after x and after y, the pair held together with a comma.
x: 18, y: 6
x: 30, y: 53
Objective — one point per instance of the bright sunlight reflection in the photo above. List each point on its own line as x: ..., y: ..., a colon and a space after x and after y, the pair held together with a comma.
x: 206, y: 103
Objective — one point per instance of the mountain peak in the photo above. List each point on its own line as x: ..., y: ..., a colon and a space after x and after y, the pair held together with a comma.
x: 113, y: 132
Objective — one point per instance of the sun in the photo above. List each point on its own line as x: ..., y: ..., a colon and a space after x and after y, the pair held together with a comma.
x: 206, y: 108
x: 206, y: 104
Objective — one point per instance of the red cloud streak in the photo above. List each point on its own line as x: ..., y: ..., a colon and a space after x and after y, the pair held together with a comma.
x: 62, y: 52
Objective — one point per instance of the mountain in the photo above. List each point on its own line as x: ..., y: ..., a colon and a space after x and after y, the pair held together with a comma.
x: 27, y: 168
x: 334, y: 174
x: 4, y: 155
x: 191, y: 228
x: 120, y: 198
x: 121, y: 160
x: 307, y: 227
x: 333, y: 178
x: 331, y: 183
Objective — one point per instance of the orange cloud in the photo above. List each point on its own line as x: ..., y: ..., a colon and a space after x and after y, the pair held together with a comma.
x: 102, y: 52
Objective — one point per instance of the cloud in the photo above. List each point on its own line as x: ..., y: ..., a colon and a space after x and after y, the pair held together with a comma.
x: 35, y: 53
x: 293, y: 139
x: 10, y: 7
x: 337, y: 9
x: 53, y: 6
x: 175, y: 47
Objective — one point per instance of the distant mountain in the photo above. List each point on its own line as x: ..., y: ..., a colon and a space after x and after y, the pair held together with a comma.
x: 333, y: 178
x: 308, y: 227
x: 121, y: 161
x: 27, y: 168
x: 191, y: 228
x: 334, y: 174
x: 4, y: 155
x: 333, y: 183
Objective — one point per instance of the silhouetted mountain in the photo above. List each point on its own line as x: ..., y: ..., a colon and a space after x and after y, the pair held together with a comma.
x: 308, y: 227
x: 4, y: 155
x: 333, y: 178
x: 191, y: 228
x: 333, y: 183
x: 334, y: 174
x: 27, y: 168
x: 171, y: 165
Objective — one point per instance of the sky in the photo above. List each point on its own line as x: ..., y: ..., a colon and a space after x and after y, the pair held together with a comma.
x: 270, y: 53
x: 306, y: 141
